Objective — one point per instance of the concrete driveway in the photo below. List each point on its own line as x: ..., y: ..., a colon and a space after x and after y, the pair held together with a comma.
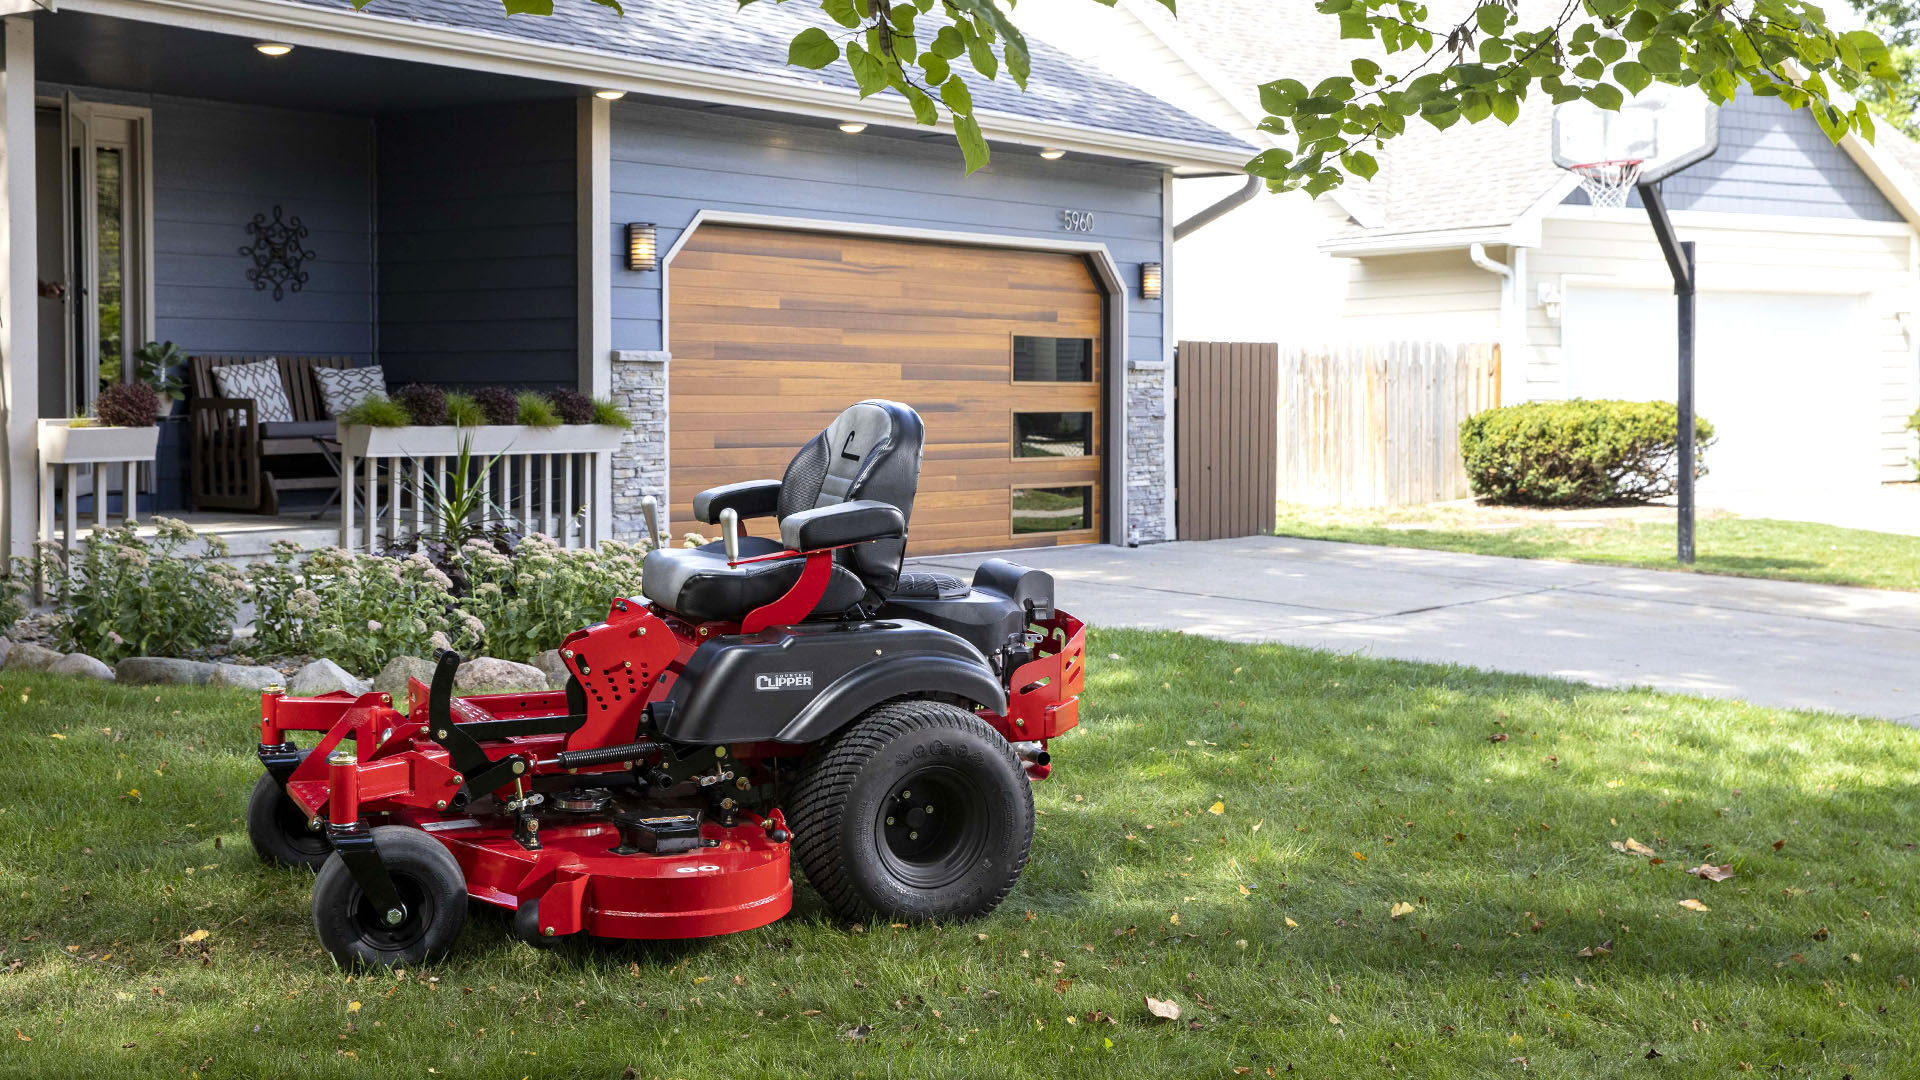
x: 1769, y: 642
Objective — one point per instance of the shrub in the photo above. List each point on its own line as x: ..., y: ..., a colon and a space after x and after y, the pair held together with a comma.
x: 13, y: 600
x: 528, y: 601
x: 426, y: 405
x: 501, y: 405
x: 377, y: 410
x: 573, y: 406
x: 536, y: 410
x: 464, y: 411
x: 127, y: 595
x: 1577, y: 453
x: 608, y: 414
x: 127, y: 404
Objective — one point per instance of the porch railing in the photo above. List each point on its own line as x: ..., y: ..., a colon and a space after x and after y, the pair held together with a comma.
x: 396, y: 483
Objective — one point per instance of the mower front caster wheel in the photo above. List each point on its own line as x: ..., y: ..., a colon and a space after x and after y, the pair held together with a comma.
x: 917, y: 810
x: 431, y: 887
x: 526, y: 926
x: 280, y: 832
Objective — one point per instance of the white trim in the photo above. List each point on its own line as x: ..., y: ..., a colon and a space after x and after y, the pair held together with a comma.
x: 1169, y: 357
x: 1105, y: 268
x: 1414, y: 243
x: 1764, y: 281
x: 19, y: 293
x: 593, y: 243
x: 1741, y: 222
x: 370, y: 34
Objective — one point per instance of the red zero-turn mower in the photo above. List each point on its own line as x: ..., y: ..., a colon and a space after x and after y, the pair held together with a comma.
x: 767, y: 696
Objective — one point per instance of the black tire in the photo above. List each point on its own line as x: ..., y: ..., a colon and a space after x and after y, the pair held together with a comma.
x: 526, y: 926
x: 430, y: 884
x: 279, y: 830
x: 958, y: 862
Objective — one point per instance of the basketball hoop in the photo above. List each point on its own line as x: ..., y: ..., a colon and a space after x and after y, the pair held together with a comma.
x: 1607, y: 182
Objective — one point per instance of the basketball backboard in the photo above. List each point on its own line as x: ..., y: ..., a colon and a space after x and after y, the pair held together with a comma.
x: 1664, y: 128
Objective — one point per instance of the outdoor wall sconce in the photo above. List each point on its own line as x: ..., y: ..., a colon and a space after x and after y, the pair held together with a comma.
x: 643, y: 250
x: 1150, y: 280
x: 272, y: 48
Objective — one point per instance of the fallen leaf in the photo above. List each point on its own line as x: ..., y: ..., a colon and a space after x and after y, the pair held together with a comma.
x: 1822, y: 934
x: 1359, y: 856
x: 1400, y: 909
x: 1165, y: 1010
x: 1291, y: 924
x: 1498, y: 736
x: 1710, y: 872
x: 56, y: 735
x: 1218, y: 807
x: 24, y: 1037
x: 197, y: 935
x: 1694, y: 905
x: 353, y: 1006
x: 859, y: 1031
x: 1244, y: 891
x: 1632, y: 847
x: 1777, y: 845
x: 1597, y: 952
x: 1652, y: 1054
x: 1332, y: 1019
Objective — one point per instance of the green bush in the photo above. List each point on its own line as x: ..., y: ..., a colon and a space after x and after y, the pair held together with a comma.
x: 608, y: 414
x: 127, y: 595
x: 377, y: 410
x: 536, y: 411
x: 464, y: 411
x: 1577, y: 453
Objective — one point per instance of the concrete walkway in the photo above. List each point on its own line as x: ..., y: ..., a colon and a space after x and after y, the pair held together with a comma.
x: 1769, y: 642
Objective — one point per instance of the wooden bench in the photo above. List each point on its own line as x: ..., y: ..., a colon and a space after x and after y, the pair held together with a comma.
x: 232, y: 450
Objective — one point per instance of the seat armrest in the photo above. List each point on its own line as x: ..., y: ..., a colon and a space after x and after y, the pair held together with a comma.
x: 749, y: 499
x: 844, y: 523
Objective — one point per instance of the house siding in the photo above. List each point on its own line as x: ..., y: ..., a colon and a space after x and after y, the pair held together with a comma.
x: 1773, y: 160
x: 477, y: 267
x: 669, y: 163
x: 1426, y: 296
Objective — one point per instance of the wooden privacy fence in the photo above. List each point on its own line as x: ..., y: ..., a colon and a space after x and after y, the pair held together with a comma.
x: 1224, y: 414
x: 1379, y: 424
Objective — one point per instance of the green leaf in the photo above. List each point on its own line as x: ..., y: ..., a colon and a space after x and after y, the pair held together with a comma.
x: 1271, y: 164
x: 1360, y: 164
x: 841, y: 11
x: 1609, y: 49
x: 935, y: 67
x: 1492, y: 17
x: 901, y: 16
x: 1366, y: 70
x: 923, y: 110
x: 1662, y: 54
x: 1606, y: 96
x: 973, y: 145
x: 1875, y: 60
x: 812, y: 48
x: 980, y: 51
x: 528, y: 7
x: 1506, y: 106
x: 1018, y: 64
x: 1632, y: 75
x: 868, y: 70
x: 958, y: 98
x: 947, y: 44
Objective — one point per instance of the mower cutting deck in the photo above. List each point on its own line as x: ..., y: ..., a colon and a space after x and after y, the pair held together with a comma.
x: 897, y: 720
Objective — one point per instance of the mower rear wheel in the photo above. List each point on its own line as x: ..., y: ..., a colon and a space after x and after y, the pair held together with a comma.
x: 430, y: 884
x: 280, y: 832
x: 917, y: 810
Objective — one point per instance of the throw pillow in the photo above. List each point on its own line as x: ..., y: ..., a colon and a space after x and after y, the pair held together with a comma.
x: 260, y: 382
x: 343, y: 388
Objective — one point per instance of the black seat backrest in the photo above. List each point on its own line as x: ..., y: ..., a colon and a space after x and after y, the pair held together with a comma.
x: 871, y: 451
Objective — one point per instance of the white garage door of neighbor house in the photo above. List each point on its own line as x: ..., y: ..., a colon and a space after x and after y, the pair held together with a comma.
x: 1786, y: 380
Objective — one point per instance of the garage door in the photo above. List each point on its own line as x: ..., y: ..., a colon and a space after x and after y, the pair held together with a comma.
x: 1786, y: 380
x: 774, y: 332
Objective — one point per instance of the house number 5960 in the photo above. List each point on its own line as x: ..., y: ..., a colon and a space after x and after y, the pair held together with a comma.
x: 1076, y: 220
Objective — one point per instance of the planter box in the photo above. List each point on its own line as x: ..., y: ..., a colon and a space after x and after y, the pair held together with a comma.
x: 63, y: 444
x: 444, y: 441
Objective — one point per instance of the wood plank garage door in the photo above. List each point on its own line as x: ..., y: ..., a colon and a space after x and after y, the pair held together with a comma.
x: 1002, y: 352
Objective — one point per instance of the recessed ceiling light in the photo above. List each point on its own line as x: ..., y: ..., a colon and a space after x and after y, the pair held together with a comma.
x: 1052, y: 153
x: 852, y: 127
x: 272, y: 48
x: 609, y: 95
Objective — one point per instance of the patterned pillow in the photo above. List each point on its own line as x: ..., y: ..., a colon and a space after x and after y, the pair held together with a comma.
x: 343, y: 388
x: 259, y: 381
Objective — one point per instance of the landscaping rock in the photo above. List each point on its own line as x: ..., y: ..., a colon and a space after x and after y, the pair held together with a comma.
x: 246, y: 676
x: 492, y: 673
x: 6, y: 646
x: 324, y: 677
x: 393, y: 678
x: 83, y: 665
x: 163, y: 671
x: 29, y: 657
x: 556, y: 669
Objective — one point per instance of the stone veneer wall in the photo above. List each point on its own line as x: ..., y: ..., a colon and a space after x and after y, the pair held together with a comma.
x: 640, y: 464
x: 1149, y: 463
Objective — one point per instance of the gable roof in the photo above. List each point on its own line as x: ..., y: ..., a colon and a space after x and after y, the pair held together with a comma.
x: 748, y: 49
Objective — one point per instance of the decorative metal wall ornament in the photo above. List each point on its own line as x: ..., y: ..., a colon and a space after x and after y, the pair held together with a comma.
x: 277, y: 253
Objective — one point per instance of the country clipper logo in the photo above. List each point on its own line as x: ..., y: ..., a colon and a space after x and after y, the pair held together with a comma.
x: 784, y: 680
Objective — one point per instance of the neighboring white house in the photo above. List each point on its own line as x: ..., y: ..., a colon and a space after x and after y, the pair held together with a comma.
x: 1808, y: 253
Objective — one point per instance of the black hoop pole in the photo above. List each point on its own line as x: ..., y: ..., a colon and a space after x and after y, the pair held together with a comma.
x: 1680, y: 263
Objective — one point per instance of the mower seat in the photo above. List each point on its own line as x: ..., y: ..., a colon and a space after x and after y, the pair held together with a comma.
x: 852, y: 484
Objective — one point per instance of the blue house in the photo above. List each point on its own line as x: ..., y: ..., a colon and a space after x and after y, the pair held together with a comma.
x: 655, y: 208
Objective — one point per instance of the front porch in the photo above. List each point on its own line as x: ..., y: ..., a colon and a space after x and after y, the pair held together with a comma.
x: 434, y: 221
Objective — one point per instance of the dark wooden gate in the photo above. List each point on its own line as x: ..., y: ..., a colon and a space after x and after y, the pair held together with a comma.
x: 1226, y: 416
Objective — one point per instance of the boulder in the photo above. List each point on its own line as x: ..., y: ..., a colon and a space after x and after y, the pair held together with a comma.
x: 6, y: 646
x: 27, y: 656
x: 163, y: 671
x: 556, y: 669
x: 393, y: 678
x: 246, y: 676
x: 492, y: 673
x: 324, y: 677
x: 82, y: 665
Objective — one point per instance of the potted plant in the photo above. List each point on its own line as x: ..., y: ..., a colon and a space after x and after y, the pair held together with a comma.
x: 157, y: 364
x: 122, y: 428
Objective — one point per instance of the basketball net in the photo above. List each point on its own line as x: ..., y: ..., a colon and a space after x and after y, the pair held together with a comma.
x: 1608, y: 182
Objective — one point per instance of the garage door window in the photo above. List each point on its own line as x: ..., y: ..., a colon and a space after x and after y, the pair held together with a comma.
x: 1059, y: 360
x: 1052, y: 434
x: 1052, y: 509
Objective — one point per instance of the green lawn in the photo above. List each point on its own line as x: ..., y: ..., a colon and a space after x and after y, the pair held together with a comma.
x: 1741, y: 547
x: 1488, y: 804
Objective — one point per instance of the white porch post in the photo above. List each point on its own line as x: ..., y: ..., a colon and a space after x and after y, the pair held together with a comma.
x: 19, y: 294
x: 593, y: 248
